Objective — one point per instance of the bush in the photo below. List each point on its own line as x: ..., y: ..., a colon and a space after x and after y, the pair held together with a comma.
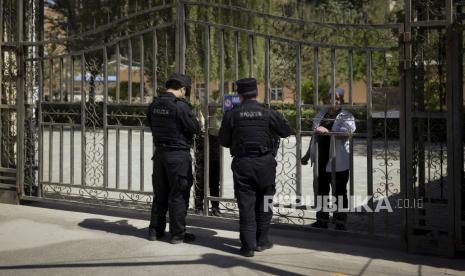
x: 124, y: 91
x: 307, y: 91
x: 389, y: 128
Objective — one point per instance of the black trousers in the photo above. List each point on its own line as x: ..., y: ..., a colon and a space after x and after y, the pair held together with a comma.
x: 254, y: 179
x: 324, y: 185
x: 172, y: 181
x: 214, y: 170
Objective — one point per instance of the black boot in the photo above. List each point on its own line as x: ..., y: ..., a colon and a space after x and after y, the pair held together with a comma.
x: 155, y: 235
x: 264, y: 247
x: 216, y: 212
x: 319, y: 224
x: 246, y: 252
x: 186, y: 237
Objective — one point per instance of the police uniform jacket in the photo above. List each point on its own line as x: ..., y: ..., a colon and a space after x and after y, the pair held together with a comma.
x: 252, y: 129
x: 172, y: 122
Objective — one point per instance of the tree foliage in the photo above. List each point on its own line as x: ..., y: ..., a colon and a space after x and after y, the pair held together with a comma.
x: 86, y: 15
x: 88, y: 24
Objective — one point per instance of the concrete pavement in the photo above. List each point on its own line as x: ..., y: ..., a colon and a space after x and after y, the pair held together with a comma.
x: 38, y: 239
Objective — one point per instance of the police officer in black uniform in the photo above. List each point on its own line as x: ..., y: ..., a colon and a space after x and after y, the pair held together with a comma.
x: 251, y: 132
x: 173, y: 125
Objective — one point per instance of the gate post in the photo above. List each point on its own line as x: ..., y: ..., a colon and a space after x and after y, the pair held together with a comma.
x: 20, y: 101
x: 454, y: 98
x: 180, y: 38
x: 405, y: 122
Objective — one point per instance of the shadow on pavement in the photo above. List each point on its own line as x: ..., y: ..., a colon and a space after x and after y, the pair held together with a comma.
x: 121, y: 227
x: 217, y: 260
x: 207, y: 237
x: 298, y: 237
x: 204, y: 237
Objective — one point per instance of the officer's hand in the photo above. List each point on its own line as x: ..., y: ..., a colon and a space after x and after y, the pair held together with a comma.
x: 321, y: 130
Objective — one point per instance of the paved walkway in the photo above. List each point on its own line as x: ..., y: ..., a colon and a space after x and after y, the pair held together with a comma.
x: 38, y: 239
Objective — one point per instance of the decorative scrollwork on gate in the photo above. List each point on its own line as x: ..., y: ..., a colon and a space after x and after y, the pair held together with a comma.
x: 285, y: 171
x: 93, y: 133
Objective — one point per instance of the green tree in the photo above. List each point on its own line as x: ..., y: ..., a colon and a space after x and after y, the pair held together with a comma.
x: 87, y: 24
x: 84, y: 16
x: 308, y: 91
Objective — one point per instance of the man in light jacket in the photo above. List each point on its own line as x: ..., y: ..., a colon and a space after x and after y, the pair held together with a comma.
x: 327, y: 121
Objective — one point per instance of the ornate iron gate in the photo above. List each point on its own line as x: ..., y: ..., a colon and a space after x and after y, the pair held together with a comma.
x: 11, y: 102
x: 74, y: 105
x: 94, y: 145
x: 260, y: 56
x: 434, y: 126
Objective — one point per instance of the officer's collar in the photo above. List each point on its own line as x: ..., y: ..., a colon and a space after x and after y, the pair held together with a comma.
x: 249, y: 101
x: 167, y: 94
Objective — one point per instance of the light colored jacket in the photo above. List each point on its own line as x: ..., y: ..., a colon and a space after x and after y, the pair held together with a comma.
x: 344, y: 122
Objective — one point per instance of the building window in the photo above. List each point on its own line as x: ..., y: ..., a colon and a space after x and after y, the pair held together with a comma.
x: 276, y: 94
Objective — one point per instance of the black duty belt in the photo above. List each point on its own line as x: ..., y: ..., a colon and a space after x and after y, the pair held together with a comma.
x: 168, y: 149
x: 252, y: 152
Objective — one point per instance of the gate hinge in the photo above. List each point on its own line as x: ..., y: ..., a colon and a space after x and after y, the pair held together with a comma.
x: 406, y: 37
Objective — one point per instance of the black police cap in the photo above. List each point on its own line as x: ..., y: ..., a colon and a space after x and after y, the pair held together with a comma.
x: 247, y: 87
x: 180, y: 78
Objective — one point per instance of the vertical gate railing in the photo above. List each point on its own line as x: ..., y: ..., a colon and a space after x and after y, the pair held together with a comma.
x: 458, y: 32
x: 454, y: 87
